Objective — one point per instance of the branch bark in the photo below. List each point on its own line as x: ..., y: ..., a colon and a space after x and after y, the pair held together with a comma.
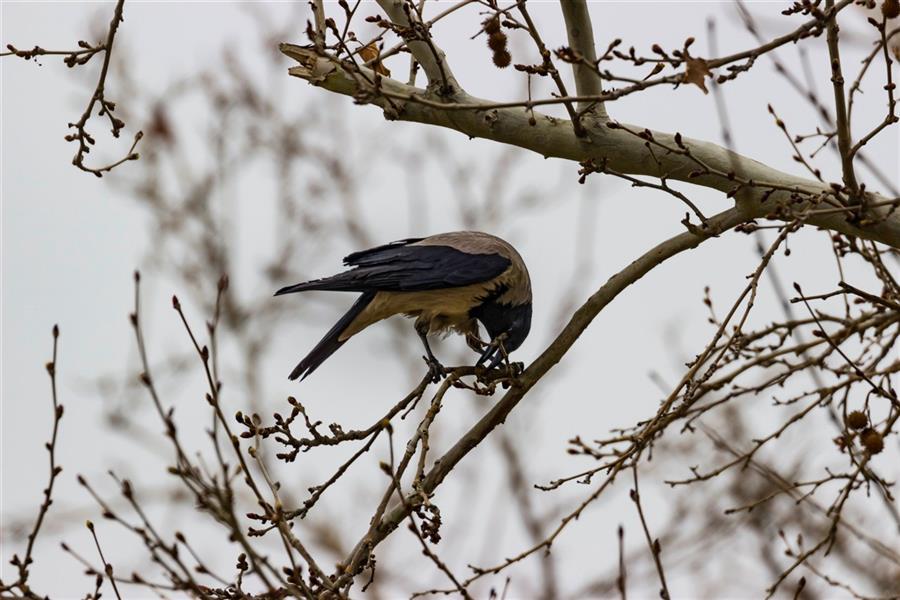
x: 623, y: 149
x: 581, y: 39
x: 319, y: 14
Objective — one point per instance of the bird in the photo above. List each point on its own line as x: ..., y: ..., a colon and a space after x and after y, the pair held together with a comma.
x: 448, y: 282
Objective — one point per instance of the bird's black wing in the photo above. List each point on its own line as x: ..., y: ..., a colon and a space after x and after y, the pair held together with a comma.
x: 415, y: 268
x: 378, y: 253
x: 403, y: 267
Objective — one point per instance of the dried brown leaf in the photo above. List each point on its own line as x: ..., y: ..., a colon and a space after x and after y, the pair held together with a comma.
x: 370, y: 54
x: 697, y: 70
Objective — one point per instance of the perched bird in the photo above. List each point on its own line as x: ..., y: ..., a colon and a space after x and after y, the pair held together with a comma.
x: 447, y: 282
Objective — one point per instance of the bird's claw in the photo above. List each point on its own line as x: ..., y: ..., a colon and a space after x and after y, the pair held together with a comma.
x: 435, y: 369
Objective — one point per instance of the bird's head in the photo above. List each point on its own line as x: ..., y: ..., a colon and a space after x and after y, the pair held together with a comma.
x: 518, y: 328
x: 507, y: 325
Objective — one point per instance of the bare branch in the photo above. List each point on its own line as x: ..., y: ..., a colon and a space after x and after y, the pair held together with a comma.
x: 581, y: 40
x: 549, y: 67
x: 24, y: 563
x: 840, y: 101
x: 652, y: 543
x: 423, y: 48
x: 84, y: 139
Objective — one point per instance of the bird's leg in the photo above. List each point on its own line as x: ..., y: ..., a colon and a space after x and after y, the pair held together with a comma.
x: 435, y: 367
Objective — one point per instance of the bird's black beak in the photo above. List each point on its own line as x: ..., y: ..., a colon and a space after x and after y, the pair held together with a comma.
x: 493, y: 354
x: 498, y: 358
x: 488, y: 353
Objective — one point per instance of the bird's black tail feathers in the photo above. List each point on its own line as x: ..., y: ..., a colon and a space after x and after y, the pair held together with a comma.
x: 335, y: 283
x: 330, y: 343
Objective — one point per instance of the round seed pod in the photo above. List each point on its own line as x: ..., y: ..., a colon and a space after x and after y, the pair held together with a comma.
x: 872, y: 441
x: 857, y: 420
x: 492, y: 25
x: 497, y: 41
x: 502, y: 59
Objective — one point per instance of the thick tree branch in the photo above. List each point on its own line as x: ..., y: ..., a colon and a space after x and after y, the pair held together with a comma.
x: 581, y: 39
x: 624, y: 148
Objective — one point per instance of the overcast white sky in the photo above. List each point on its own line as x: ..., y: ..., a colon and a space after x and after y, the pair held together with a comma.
x: 70, y: 243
